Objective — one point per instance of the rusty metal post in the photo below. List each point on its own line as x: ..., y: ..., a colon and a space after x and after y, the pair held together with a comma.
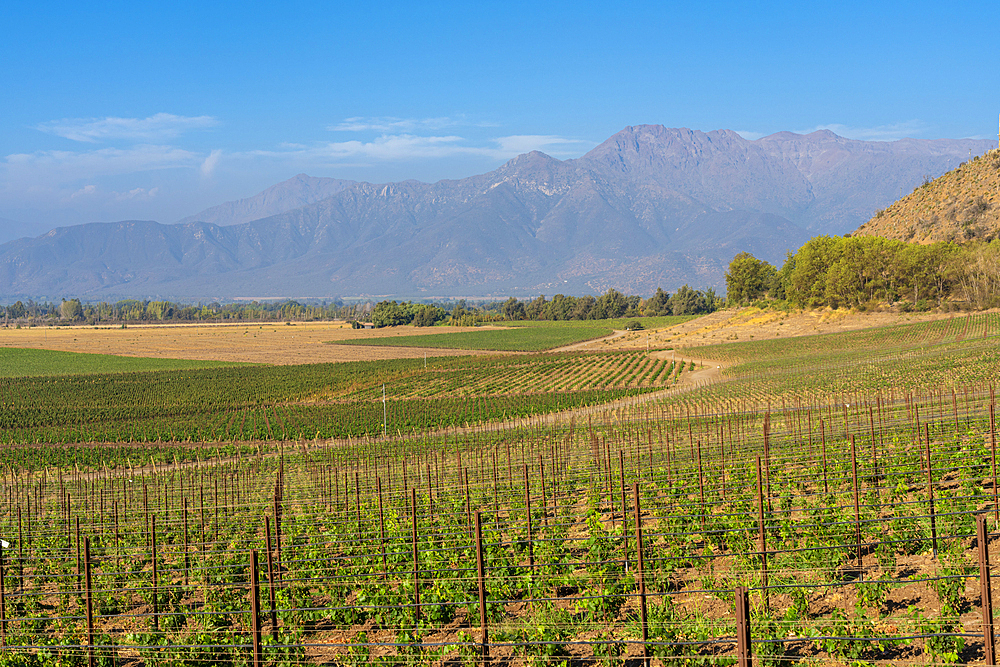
x: 270, y: 580
x: 481, y: 572
x: 416, y: 563
x: 187, y: 557
x: 545, y: 509
x: 91, y: 658
x: 3, y: 600
x: 381, y: 525
x: 744, y: 654
x: 701, y: 488
x: 761, y: 538
x: 527, y: 513
x: 621, y: 469
x: 156, y: 594
x: 982, y: 537
x: 930, y: 489
x: 640, y: 579
x: 822, y: 432
x: 277, y: 534
x: 993, y: 448
x: 258, y: 658
x: 857, y: 505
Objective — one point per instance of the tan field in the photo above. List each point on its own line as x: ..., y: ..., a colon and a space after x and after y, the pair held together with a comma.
x: 299, y: 343
x: 307, y: 342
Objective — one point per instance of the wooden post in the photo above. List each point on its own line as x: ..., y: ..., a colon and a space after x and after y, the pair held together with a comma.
x: 982, y: 537
x: 744, y: 654
x: 640, y: 579
x: 258, y: 658
x: 481, y: 571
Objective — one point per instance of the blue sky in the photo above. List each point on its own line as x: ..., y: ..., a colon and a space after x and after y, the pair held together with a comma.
x: 133, y: 110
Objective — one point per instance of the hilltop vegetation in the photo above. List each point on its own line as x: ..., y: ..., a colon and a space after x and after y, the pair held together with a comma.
x: 865, y: 272
x: 961, y: 206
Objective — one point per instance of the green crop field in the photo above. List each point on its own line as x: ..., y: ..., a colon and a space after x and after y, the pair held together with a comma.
x: 521, y: 336
x: 20, y: 362
x: 961, y: 350
x: 523, y: 510
x: 239, y: 403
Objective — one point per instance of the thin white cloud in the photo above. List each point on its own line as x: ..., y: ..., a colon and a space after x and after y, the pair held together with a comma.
x: 891, y: 132
x: 517, y: 144
x: 65, y: 166
x: 389, y: 124
x: 402, y: 147
x: 748, y: 135
x: 154, y: 128
x: 208, y: 166
x: 85, y: 191
x: 136, y: 193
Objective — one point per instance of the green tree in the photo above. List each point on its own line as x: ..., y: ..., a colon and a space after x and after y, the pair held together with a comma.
x: 71, y: 310
x: 658, y: 304
x: 513, y: 310
x: 688, y: 301
x: 389, y: 314
x: 812, y: 262
x: 748, y: 278
x: 613, y: 304
x: 428, y: 316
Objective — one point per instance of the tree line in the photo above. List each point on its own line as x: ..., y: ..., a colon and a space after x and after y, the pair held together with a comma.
x: 864, y: 271
x: 611, y: 304
x: 134, y: 311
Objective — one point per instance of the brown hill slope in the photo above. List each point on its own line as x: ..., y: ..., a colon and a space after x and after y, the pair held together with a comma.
x: 960, y: 206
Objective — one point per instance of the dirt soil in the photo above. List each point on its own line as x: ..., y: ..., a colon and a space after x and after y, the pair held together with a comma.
x: 298, y: 343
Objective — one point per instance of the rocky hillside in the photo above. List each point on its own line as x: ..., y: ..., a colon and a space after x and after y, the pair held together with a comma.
x: 962, y: 205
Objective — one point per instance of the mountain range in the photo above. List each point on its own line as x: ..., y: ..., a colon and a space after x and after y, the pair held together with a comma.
x: 649, y: 207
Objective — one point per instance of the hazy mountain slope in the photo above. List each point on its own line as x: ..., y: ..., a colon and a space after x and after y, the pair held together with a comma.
x: 285, y: 196
x: 962, y: 205
x: 649, y: 207
x: 820, y: 181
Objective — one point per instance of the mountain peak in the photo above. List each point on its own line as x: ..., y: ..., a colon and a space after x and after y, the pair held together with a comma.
x: 299, y: 190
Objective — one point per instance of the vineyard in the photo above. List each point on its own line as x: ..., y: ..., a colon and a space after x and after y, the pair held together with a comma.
x: 523, y: 336
x: 739, y: 521
x: 20, y: 362
x: 242, y: 403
